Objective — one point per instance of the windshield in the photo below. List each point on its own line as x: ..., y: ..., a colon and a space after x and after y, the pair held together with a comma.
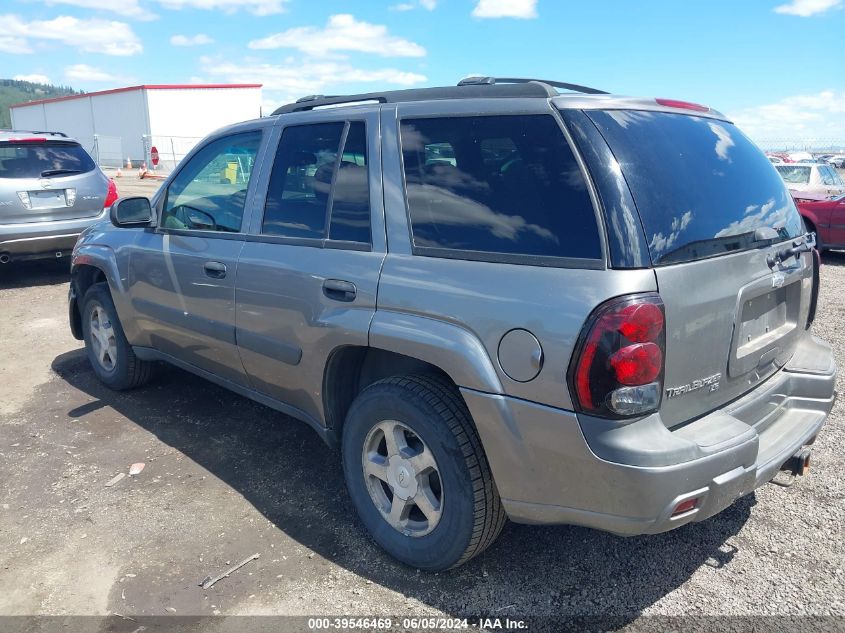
x: 701, y: 187
x: 37, y: 160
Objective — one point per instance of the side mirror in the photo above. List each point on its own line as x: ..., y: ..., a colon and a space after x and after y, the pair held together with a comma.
x: 134, y: 211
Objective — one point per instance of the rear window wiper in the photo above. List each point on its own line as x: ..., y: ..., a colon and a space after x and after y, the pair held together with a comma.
x: 59, y: 172
x: 798, y: 247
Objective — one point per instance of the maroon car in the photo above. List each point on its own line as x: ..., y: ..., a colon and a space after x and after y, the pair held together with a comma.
x: 825, y: 216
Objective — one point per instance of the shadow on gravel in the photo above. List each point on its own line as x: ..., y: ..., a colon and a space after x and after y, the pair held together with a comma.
x: 42, y: 272
x: 295, y: 481
x: 833, y: 258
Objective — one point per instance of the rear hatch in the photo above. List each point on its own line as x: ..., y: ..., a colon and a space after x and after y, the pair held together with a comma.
x: 43, y: 180
x: 714, y: 210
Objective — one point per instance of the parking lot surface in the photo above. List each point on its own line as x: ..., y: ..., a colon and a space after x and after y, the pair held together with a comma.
x: 225, y: 478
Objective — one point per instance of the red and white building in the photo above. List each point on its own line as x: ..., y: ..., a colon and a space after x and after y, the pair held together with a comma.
x: 128, y: 122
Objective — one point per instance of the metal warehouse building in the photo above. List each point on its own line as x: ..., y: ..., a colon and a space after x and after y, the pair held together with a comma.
x: 114, y: 125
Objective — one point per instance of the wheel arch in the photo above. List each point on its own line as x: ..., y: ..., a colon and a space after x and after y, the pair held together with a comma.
x: 352, y: 368
x: 95, y: 264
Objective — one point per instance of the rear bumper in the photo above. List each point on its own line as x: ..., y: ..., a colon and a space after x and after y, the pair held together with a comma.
x: 33, y: 240
x: 551, y: 467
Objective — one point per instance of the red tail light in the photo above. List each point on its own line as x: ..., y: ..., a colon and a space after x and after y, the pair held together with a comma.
x: 112, y: 195
x: 33, y: 139
x: 683, y: 105
x: 617, y: 368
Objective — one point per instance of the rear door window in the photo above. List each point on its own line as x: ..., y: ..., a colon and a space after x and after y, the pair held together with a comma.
x: 701, y: 187
x: 319, y: 190
x: 350, y: 213
x: 43, y: 160
x: 496, y: 185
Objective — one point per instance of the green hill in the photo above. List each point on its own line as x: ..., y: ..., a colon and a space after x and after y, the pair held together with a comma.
x: 13, y: 91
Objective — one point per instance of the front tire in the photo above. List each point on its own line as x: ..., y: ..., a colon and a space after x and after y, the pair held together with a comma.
x: 109, y: 353
x: 417, y: 473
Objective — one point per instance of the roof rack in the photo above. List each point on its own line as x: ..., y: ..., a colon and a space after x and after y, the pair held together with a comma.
x: 492, y: 81
x: 469, y: 88
x: 15, y: 131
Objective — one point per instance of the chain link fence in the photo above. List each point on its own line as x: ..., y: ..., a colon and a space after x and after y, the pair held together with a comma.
x: 810, y: 145
x: 163, y: 153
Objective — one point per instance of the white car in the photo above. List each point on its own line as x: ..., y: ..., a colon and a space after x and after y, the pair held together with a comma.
x: 837, y: 161
x: 812, y: 178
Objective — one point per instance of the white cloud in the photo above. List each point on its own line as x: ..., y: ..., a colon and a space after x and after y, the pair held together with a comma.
x: 14, y: 45
x: 256, y: 7
x: 808, y: 118
x: 89, y: 36
x: 342, y: 33
x: 806, y: 8
x: 428, y: 5
x: 126, y: 8
x: 83, y: 72
x: 191, y: 40
x: 35, y: 79
x: 296, y: 78
x: 525, y: 9
x: 724, y: 142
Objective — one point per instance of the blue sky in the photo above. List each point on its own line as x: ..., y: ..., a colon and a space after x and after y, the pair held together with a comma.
x: 776, y: 66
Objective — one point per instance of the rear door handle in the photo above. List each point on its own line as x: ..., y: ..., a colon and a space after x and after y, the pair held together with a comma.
x: 215, y: 270
x: 339, y: 290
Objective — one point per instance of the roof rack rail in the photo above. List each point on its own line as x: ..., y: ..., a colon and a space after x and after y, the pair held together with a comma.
x: 35, y: 132
x: 470, y: 88
x: 492, y: 81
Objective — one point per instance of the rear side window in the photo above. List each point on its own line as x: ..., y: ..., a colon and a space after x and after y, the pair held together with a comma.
x: 313, y: 180
x: 829, y: 176
x: 505, y: 185
x: 43, y: 160
x: 701, y: 187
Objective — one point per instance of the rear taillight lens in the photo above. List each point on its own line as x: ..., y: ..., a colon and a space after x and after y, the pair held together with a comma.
x: 617, y: 368
x: 111, y: 196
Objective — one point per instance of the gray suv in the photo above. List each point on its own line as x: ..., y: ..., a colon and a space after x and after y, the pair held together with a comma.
x: 497, y: 299
x: 50, y: 191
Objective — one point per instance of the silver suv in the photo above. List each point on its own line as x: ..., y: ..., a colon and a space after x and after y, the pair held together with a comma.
x: 498, y: 300
x: 50, y: 191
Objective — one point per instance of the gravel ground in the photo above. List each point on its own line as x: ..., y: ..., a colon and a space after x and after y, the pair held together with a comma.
x: 226, y: 478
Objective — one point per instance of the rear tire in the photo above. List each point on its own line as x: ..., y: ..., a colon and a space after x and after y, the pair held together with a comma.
x: 449, y: 508
x: 109, y: 353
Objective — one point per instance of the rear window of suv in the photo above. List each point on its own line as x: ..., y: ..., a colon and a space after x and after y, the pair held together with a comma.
x: 496, y: 187
x: 43, y: 160
x: 701, y: 187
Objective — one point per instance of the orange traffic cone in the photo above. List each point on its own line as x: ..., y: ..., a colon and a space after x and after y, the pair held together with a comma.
x: 142, y: 171
x: 128, y: 163
x: 119, y: 173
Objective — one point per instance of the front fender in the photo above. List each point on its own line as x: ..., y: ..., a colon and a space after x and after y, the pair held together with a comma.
x: 453, y: 349
x: 104, y: 258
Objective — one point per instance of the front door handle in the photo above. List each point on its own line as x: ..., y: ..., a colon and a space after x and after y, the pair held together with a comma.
x: 215, y: 270
x: 339, y: 290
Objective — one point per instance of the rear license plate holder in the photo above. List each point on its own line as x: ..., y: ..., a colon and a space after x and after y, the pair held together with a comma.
x: 51, y: 199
